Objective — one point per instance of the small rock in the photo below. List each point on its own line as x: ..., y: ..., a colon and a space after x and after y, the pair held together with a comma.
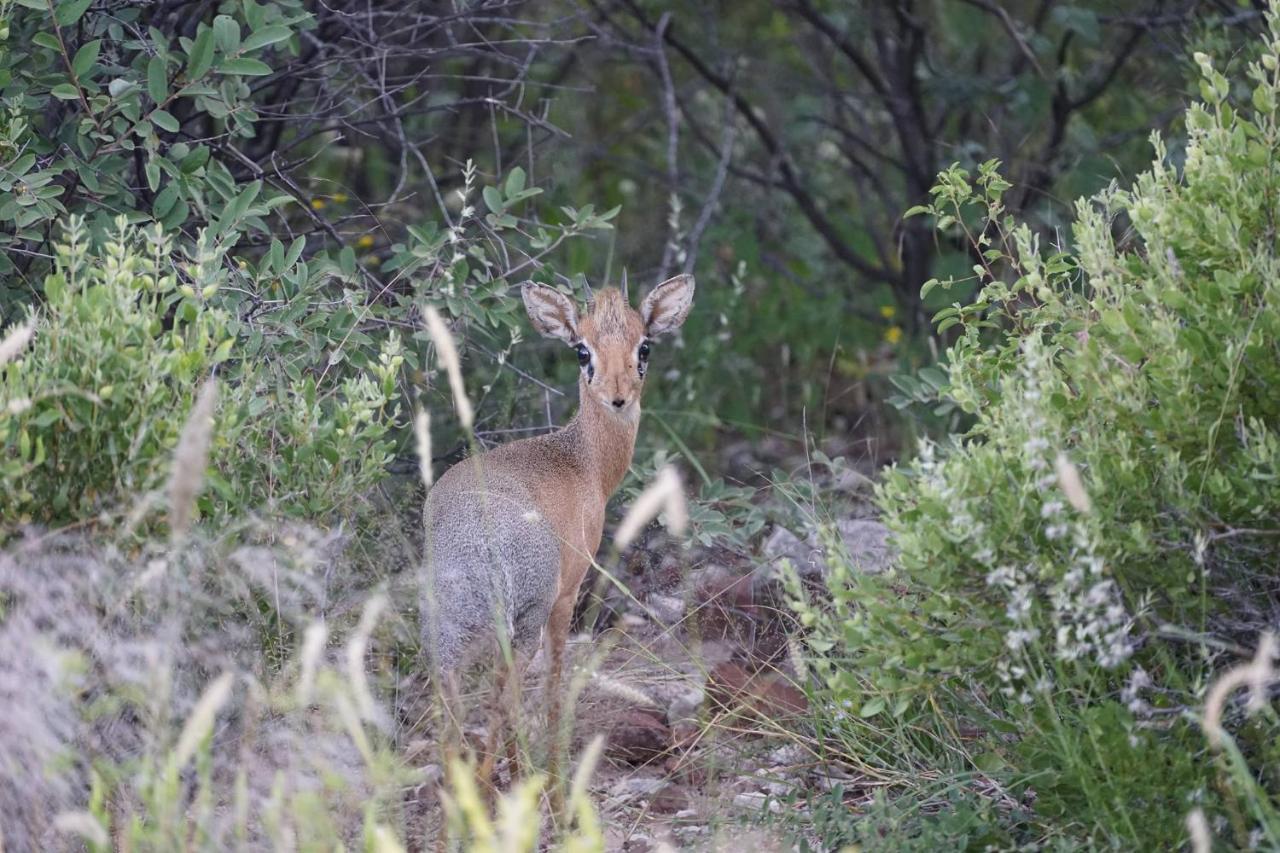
x: 719, y: 587
x: 633, y: 620
x: 637, y: 737
x: 685, y: 706
x: 667, y: 609
x: 790, y: 755
x: 672, y: 799
x: 831, y: 779
x: 783, y: 544
x: 775, y: 780
x: 725, y: 604
x: 867, y: 542
x: 767, y: 694
x: 756, y: 801
x: 852, y: 481
x: 638, y: 844
x: 636, y: 787
x: 430, y: 774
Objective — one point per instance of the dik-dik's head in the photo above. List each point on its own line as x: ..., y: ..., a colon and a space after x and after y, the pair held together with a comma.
x: 612, y: 339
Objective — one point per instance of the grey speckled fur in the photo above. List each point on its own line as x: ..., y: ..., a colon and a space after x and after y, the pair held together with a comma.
x: 492, y: 561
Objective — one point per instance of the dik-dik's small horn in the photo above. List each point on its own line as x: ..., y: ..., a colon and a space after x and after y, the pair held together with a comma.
x: 625, y: 297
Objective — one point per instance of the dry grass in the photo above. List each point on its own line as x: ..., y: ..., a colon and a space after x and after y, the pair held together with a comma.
x: 190, y: 460
x: 16, y: 341
x: 448, y: 354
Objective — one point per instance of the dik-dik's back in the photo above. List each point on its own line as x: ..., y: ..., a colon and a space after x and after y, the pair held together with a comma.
x: 510, y: 533
x: 493, y: 554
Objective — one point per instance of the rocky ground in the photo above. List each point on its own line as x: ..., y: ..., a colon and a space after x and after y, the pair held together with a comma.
x: 701, y: 700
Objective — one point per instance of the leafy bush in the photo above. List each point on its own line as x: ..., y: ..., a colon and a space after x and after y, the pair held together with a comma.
x: 1071, y: 567
x: 91, y: 412
x: 94, y: 102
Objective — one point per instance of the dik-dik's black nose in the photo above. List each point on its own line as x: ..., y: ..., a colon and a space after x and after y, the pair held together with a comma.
x: 619, y: 403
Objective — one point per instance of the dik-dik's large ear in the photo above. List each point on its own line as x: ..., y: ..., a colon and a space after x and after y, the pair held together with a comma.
x: 666, y: 306
x: 553, y: 314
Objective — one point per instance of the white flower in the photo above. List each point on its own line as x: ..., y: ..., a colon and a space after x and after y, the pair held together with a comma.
x: 1035, y: 445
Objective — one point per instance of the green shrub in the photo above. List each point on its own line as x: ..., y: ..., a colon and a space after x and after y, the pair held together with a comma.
x: 1071, y: 567
x: 90, y: 413
x: 93, y: 101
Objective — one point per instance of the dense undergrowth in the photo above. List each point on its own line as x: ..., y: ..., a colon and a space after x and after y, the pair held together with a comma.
x: 1074, y: 568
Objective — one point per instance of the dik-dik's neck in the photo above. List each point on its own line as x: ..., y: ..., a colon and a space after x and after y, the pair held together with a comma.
x: 603, y: 439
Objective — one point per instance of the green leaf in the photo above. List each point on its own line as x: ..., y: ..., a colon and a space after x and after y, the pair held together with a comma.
x: 295, y: 252
x: 237, y: 207
x: 194, y: 160
x: 54, y: 287
x: 223, y: 352
x: 267, y: 35
x: 153, y: 175
x: 157, y: 80
x: 493, y: 199
x: 178, y: 215
x: 226, y: 32
x: 70, y: 12
x: 872, y: 707
x: 515, y: 182
x: 245, y: 67
x: 164, y: 120
x: 200, y: 58
x: 47, y: 40
x: 164, y: 202
x: 85, y: 57
x: 64, y: 92
x: 119, y: 87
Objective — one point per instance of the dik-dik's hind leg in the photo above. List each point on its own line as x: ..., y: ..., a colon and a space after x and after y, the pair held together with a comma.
x: 505, y: 711
x: 504, y: 716
x: 452, y: 716
x: 557, y: 740
x: 449, y: 740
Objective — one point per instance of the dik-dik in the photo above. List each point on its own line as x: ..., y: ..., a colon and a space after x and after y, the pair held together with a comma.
x: 510, y: 533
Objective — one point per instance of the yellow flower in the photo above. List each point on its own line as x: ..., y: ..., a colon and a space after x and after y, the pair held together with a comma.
x: 888, y: 311
x: 373, y: 260
x: 365, y: 241
x: 893, y: 334
x: 317, y: 204
x: 339, y: 197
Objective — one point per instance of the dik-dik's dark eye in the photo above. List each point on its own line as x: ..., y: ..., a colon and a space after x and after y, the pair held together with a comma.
x: 643, y: 352
x: 584, y: 354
